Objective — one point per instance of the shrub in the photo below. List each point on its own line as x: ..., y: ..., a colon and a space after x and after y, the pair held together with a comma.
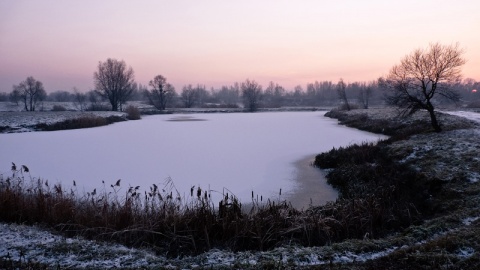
x: 132, y: 113
x: 58, y: 108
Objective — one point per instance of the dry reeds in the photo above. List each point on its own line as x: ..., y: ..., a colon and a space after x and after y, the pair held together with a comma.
x: 161, y: 219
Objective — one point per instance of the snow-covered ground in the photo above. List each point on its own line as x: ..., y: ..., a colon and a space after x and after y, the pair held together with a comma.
x: 474, y: 116
x: 34, y: 244
x: 19, y: 122
x: 30, y: 243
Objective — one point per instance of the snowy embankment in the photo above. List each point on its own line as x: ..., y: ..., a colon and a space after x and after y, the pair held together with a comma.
x: 36, y: 245
x: 14, y: 122
x: 449, y: 240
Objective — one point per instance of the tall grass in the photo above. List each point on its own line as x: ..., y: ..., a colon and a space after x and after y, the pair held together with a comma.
x: 161, y: 219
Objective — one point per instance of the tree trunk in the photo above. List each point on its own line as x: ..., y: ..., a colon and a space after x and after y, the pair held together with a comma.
x: 433, y: 119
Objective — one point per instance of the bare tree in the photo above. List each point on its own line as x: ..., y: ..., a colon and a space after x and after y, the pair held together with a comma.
x: 274, y: 95
x: 191, y: 96
x: 188, y: 96
x: 251, y: 93
x: 79, y: 100
x: 364, y: 93
x: 60, y: 96
x: 3, y: 96
x: 422, y: 75
x: 297, y: 95
x: 115, y: 82
x: 227, y: 95
x: 161, y: 94
x: 31, y: 92
x: 15, y: 96
x: 341, y: 86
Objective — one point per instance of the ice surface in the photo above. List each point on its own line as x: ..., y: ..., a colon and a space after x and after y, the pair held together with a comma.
x: 238, y: 151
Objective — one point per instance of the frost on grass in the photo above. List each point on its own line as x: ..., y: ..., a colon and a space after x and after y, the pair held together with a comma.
x: 445, y: 156
x: 17, y: 122
x: 29, y: 243
x: 466, y: 252
x: 469, y: 220
x: 32, y: 244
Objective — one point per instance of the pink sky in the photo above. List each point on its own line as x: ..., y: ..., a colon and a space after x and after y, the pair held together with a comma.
x: 221, y: 42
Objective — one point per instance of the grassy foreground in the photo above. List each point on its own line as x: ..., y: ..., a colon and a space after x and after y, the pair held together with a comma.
x: 389, y: 197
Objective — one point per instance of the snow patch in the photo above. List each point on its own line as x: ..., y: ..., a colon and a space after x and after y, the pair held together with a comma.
x: 465, y: 252
x: 474, y: 177
x: 20, y: 242
x: 30, y: 243
x: 469, y: 220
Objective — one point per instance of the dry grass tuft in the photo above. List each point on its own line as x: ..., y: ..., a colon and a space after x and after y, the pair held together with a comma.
x: 133, y: 113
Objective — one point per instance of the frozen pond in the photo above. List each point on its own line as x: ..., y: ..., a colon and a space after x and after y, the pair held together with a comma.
x: 242, y: 152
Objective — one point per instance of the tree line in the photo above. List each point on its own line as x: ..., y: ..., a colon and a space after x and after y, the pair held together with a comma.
x: 318, y: 93
x: 411, y: 85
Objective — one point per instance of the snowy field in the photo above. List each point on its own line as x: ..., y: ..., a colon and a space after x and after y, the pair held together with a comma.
x: 236, y: 153
x: 35, y: 244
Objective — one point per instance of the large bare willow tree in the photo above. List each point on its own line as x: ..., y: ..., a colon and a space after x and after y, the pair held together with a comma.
x: 115, y: 82
x: 422, y: 75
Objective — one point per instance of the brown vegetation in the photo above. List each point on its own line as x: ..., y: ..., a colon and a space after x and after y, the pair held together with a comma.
x: 86, y: 121
x: 133, y: 113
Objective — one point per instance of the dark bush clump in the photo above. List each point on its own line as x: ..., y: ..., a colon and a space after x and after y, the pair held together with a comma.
x: 58, y: 108
x: 98, y: 107
x: 393, y: 193
x: 132, y: 113
x: 354, y: 154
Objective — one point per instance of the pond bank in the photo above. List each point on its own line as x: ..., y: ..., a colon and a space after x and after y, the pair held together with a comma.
x: 445, y: 168
x: 312, y: 187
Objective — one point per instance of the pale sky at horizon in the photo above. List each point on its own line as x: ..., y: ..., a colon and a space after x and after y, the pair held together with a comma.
x: 217, y: 43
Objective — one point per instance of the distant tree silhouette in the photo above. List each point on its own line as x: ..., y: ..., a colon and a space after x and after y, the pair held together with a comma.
x: 15, y: 96
x: 365, y: 92
x: 227, y: 95
x: 79, y: 100
x: 422, y: 75
x: 191, y: 96
x: 161, y: 93
x: 188, y: 96
x: 31, y: 92
x: 114, y: 82
x: 274, y: 95
x: 251, y: 94
x: 341, y: 86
